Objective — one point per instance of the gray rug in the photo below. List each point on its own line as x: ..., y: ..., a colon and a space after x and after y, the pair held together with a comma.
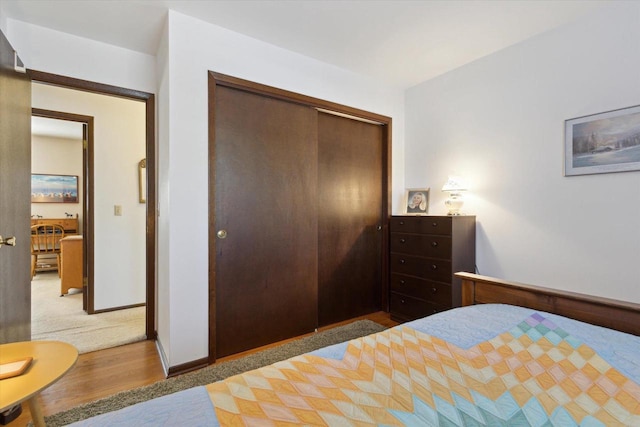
x: 215, y: 372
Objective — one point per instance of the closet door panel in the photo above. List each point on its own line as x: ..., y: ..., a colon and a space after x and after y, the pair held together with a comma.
x: 265, y: 184
x: 349, y: 214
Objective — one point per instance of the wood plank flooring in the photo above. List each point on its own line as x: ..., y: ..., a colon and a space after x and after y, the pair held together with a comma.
x: 103, y: 373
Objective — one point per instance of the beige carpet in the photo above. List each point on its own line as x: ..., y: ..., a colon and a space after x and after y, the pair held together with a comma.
x: 62, y: 319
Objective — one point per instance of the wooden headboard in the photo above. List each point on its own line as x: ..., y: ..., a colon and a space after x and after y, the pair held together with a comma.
x: 614, y: 314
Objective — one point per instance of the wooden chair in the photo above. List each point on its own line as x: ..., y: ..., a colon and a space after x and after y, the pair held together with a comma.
x: 45, y: 240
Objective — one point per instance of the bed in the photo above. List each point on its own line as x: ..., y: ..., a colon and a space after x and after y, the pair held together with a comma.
x: 515, y: 354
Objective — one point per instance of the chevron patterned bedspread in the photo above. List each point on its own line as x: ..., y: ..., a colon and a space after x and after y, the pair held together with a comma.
x: 541, y: 370
x: 484, y: 365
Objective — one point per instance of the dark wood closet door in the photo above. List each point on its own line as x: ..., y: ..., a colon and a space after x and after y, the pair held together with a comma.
x: 349, y: 217
x: 265, y: 269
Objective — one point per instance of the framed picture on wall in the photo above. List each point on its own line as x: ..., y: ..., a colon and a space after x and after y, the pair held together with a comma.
x: 602, y: 143
x: 54, y: 188
x: 416, y: 201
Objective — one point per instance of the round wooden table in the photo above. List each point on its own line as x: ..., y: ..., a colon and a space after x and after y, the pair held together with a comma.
x: 51, y: 360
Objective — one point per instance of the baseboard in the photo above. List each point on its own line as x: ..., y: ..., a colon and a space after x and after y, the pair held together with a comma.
x: 124, y: 307
x: 172, y: 371
x: 187, y: 367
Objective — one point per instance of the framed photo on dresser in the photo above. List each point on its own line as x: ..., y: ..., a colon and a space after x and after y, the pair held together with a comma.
x: 416, y: 201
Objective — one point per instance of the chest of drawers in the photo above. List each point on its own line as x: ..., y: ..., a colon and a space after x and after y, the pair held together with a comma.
x: 425, y: 251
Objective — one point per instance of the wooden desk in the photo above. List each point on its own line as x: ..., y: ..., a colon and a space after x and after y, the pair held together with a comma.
x: 51, y: 360
x: 71, y: 262
x: 70, y: 225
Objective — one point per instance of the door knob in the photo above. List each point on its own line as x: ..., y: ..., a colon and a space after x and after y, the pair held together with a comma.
x: 222, y: 234
x: 9, y: 241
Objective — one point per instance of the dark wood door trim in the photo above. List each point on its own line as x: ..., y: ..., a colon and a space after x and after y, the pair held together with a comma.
x: 149, y: 100
x: 285, y: 95
x: 217, y: 79
x: 87, y: 190
x: 89, y: 86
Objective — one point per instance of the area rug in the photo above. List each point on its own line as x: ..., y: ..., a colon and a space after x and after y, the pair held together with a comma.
x: 62, y: 319
x: 215, y: 372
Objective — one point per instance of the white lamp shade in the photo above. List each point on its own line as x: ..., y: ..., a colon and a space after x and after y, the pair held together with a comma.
x: 454, y: 184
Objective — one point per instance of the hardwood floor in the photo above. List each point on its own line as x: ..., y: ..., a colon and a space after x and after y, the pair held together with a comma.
x: 103, y: 373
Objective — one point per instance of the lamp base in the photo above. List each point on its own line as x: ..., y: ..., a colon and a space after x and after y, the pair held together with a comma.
x: 454, y: 204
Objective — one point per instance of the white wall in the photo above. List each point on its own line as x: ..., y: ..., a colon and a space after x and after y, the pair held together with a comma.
x: 163, y: 288
x: 51, y: 51
x: 189, y: 49
x: 119, y: 144
x: 194, y: 48
x: 57, y: 156
x: 500, y: 121
x: 120, y: 264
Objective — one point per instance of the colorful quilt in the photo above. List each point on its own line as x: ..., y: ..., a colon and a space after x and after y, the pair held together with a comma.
x: 535, y: 373
x: 486, y: 365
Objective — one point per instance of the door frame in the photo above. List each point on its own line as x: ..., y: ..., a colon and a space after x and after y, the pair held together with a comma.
x: 150, y: 152
x: 87, y: 197
x: 217, y: 79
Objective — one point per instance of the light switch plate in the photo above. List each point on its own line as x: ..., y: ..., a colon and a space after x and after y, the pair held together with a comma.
x: 117, y: 210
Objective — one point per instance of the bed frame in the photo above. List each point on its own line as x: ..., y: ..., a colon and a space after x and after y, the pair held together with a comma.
x: 614, y: 314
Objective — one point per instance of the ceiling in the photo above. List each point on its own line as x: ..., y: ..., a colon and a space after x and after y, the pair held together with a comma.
x: 56, y: 128
x: 400, y: 43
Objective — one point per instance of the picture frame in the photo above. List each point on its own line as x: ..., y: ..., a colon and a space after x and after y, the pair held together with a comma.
x: 416, y: 201
x: 48, y: 188
x: 603, y: 143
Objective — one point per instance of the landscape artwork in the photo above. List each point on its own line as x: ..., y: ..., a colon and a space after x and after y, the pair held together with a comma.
x: 54, y: 188
x: 602, y: 143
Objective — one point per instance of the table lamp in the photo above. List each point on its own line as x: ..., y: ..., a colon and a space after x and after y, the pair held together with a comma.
x: 454, y: 186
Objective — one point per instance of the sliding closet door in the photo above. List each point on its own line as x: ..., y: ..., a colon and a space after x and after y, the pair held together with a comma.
x: 350, y: 218
x: 265, y: 220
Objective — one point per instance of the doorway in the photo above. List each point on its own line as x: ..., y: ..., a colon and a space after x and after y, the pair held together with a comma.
x: 117, y: 206
x: 59, y: 143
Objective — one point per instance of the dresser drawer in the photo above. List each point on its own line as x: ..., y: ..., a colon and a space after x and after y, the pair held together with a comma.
x: 432, y: 246
x: 423, y: 225
x: 426, y: 268
x: 69, y: 225
x: 405, y: 308
x: 437, y: 293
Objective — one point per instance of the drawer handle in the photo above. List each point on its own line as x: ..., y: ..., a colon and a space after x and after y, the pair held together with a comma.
x: 434, y: 290
x: 402, y: 301
x: 403, y: 240
x: 402, y: 282
x: 434, y: 267
x: 434, y: 244
x: 434, y: 224
x: 402, y: 261
x: 401, y: 222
